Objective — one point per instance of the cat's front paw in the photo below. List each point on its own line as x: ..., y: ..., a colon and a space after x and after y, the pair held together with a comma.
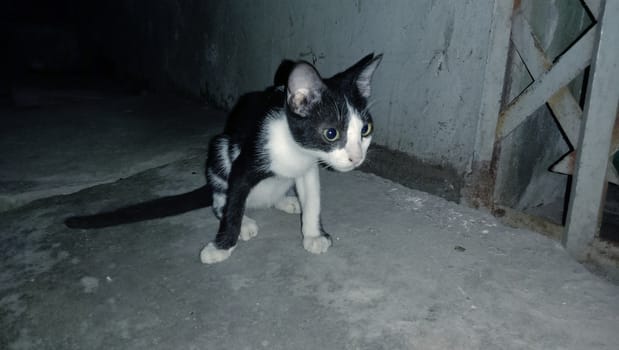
x: 316, y: 245
x: 249, y: 228
x: 289, y: 205
x: 210, y: 254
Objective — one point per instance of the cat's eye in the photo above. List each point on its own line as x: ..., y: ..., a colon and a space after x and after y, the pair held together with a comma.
x: 331, y: 134
x: 366, y: 130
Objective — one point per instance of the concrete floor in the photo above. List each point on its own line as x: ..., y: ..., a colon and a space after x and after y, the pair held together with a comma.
x: 407, y: 270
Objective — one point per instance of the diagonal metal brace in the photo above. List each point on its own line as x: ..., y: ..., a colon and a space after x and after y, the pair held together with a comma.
x: 574, y: 61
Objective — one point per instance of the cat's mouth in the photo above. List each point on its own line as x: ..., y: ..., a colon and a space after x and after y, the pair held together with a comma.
x: 343, y: 160
x: 345, y: 169
x: 342, y: 167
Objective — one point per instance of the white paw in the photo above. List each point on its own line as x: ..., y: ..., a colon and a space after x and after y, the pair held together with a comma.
x: 289, y: 204
x: 249, y: 228
x: 316, y: 245
x: 210, y: 254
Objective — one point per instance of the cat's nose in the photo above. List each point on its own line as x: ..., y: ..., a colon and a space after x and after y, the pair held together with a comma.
x: 354, y: 158
x: 355, y: 155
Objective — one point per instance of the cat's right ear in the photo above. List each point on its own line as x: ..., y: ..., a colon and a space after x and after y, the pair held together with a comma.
x: 304, y: 89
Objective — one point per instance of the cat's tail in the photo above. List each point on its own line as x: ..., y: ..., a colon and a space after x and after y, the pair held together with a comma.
x: 157, y: 208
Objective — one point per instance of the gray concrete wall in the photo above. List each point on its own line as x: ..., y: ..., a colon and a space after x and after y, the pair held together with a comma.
x: 427, y: 90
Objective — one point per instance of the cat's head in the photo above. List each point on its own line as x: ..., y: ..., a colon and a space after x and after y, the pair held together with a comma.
x: 330, y: 117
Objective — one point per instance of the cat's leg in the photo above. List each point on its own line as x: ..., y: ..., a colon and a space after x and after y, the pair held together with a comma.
x: 274, y: 192
x: 229, y: 229
x: 308, y: 188
x: 240, y: 183
x: 249, y: 228
x: 222, y: 154
x: 218, y: 167
x: 211, y: 254
x: 289, y: 204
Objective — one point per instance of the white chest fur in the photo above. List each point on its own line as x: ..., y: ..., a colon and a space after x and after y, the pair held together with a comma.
x: 287, y: 158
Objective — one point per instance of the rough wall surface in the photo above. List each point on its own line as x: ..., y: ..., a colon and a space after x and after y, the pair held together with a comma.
x: 427, y: 89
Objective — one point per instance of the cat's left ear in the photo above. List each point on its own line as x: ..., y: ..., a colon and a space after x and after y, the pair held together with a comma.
x: 304, y: 89
x: 364, y: 69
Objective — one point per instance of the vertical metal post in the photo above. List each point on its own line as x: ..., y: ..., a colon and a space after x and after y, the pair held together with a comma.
x: 586, y: 201
x: 494, y: 79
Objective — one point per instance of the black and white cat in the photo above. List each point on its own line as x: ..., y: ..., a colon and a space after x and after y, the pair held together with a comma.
x: 274, y: 140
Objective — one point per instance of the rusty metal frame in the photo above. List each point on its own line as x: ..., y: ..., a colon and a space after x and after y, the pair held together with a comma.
x: 579, y: 127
